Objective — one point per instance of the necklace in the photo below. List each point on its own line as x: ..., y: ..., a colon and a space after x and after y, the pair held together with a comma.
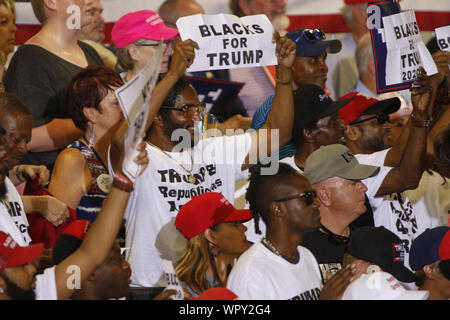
x: 191, y: 177
x: 103, y: 180
x: 274, y: 250
x: 332, y: 237
x: 270, y: 246
x: 95, y: 152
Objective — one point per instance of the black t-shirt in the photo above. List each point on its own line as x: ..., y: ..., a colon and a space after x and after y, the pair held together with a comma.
x: 39, y: 78
x: 328, y: 252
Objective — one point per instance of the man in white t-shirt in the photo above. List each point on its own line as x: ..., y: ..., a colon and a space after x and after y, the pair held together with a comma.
x: 16, y: 125
x: 278, y: 268
x: 176, y: 174
x: 407, y: 202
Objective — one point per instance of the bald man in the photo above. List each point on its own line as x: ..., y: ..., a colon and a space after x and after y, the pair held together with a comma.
x: 171, y: 10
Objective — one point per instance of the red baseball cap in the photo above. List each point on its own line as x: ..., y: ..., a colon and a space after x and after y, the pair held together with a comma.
x: 363, y: 104
x: 218, y: 293
x: 146, y: 24
x: 13, y: 255
x: 205, y: 211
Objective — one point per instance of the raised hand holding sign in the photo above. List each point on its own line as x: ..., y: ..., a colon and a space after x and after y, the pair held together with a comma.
x: 227, y: 41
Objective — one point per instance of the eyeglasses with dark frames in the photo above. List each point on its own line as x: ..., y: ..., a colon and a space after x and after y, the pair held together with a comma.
x: 382, y: 118
x: 311, y: 35
x: 147, y: 44
x: 308, y: 196
x: 166, y: 43
x: 188, y: 109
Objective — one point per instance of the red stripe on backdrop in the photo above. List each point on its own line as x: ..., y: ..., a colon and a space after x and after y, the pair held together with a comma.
x: 329, y: 23
x: 334, y: 23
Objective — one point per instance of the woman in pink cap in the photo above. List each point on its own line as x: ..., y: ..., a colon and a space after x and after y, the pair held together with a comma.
x: 216, y: 237
x: 136, y: 36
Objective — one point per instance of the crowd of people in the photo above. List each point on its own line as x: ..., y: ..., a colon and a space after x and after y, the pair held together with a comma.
x: 347, y: 192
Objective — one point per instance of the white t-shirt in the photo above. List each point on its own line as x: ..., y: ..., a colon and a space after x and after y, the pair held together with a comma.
x: 13, y: 219
x: 423, y: 208
x: 259, y: 274
x: 46, y: 285
x: 163, y: 188
x: 380, y: 286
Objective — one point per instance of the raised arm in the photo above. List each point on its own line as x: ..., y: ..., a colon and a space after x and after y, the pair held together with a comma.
x: 182, y: 58
x: 394, y: 156
x: 100, y: 237
x: 282, y: 112
x: 409, y: 171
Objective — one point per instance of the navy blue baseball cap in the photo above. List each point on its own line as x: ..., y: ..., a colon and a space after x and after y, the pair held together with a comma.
x: 430, y: 246
x: 312, y: 43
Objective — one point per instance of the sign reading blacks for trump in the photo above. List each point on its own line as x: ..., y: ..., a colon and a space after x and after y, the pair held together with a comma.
x: 396, y: 67
x: 226, y: 41
x: 406, y: 50
x: 443, y: 38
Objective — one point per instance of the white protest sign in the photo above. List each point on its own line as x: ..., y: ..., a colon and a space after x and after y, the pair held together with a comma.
x: 172, y: 280
x: 406, y: 51
x: 227, y: 42
x: 134, y: 99
x: 443, y: 38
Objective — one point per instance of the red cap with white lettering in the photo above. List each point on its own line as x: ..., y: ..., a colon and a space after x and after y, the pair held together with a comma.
x: 13, y: 255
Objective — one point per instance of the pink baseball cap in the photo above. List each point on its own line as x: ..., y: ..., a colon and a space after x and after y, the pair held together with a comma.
x: 146, y: 24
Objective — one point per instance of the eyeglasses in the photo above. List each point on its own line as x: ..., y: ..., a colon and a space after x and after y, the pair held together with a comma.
x: 166, y: 44
x: 311, y: 35
x: 188, y: 109
x: 308, y: 196
x: 147, y: 44
x: 382, y: 118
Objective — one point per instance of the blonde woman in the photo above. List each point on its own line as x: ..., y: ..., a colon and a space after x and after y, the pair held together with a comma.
x: 216, y: 237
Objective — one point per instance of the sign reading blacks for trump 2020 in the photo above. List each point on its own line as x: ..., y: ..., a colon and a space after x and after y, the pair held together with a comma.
x: 226, y: 41
x: 397, y: 46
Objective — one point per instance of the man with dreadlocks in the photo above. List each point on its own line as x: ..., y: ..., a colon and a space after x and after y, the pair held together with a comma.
x: 278, y: 268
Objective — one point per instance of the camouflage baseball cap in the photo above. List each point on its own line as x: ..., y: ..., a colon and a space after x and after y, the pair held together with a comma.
x: 336, y: 160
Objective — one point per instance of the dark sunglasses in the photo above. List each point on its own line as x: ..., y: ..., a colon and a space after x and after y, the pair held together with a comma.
x: 382, y: 118
x: 188, y: 109
x: 311, y: 35
x: 308, y: 196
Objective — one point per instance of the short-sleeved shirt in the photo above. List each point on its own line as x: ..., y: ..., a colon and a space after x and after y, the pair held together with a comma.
x: 39, y: 78
x: 164, y: 187
x: 46, y: 285
x: 260, y: 274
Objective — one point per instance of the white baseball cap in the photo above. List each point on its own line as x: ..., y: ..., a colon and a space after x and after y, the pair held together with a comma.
x: 381, y: 286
